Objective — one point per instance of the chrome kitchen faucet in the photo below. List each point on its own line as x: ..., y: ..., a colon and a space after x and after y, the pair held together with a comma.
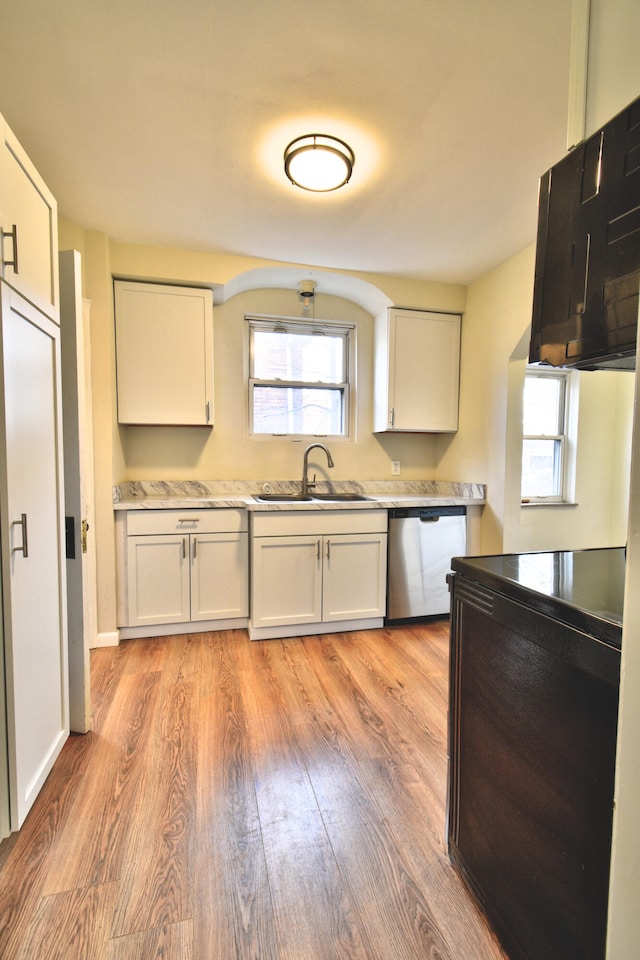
x: 306, y: 483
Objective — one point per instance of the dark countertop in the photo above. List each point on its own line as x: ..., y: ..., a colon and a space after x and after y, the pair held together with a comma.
x: 582, y: 588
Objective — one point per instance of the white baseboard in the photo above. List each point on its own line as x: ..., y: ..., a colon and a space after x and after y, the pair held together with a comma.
x: 106, y: 640
x: 171, y: 629
x: 311, y: 629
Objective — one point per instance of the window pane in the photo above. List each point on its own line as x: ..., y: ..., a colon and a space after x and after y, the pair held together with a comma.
x: 297, y: 410
x: 540, y: 468
x: 311, y: 358
x: 542, y: 406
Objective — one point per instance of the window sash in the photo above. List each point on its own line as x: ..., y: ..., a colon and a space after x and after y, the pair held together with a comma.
x: 546, y: 482
x: 549, y: 484
x: 292, y: 412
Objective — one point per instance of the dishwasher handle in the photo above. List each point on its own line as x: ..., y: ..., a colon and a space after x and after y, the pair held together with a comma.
x: 426, y: 514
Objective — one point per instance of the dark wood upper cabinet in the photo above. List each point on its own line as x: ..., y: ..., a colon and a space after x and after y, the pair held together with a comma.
x: 587, y: 275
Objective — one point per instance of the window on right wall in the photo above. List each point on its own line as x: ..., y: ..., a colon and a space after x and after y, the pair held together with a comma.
x: 549, y: 435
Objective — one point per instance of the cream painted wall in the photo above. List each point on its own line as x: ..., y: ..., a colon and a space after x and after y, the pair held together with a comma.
x: 222, y: 270
x: 175, y: 453
x: 227, y: 452
x: 613, y: 82
x: 497, y: 317
x: 599, y: 518
x: 613, y: 64
x: 623, y: 934
x: 495, y: 343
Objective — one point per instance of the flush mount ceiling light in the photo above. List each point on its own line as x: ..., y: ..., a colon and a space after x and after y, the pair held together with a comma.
x: 319, y: 163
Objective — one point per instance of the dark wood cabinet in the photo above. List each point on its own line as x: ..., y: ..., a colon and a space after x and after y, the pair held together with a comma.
x: 587, y: 275
x: 533, y: 717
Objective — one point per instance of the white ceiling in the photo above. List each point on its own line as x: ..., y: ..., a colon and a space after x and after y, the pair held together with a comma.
x: 164, y: 122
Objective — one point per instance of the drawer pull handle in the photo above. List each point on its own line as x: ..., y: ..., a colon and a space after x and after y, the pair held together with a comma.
x: 25, y: 543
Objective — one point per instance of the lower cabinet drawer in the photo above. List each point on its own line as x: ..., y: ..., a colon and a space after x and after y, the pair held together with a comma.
x: 149, y: 522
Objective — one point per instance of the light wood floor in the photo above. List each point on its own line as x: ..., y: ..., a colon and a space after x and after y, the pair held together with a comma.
x: 274, y: 800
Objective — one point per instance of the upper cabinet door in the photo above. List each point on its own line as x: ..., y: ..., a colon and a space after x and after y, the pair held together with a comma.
x: 164, y: 354
x: 585, y: 303
x: 29, y: 224
x: 417, y: 371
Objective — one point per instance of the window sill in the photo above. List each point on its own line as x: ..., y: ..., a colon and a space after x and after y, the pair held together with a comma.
x: 548, y: 503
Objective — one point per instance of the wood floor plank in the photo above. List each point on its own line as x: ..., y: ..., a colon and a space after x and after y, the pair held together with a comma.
x: 156, y: 882
x: 407, y: 800
x: 233, y: 910
x: 238, y: 800
x: 410, y: 702
x: 147, y: 655
x: 360, y: 719
x: 170, y: 942
x: 107, y: 666
x: 73, y: 925
x: 94, y: 837
x: 380, y: 883
x: 27, y: 856
x: 313, y: 916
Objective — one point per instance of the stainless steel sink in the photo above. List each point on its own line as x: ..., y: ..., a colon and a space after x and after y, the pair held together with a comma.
x: 281, y: 497
x: 341, y: 497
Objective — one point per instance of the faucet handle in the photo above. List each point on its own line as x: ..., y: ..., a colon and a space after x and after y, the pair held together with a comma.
x: 312, y: 483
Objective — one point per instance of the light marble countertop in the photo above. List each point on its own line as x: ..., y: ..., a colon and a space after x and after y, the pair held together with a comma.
x: 217, y: 494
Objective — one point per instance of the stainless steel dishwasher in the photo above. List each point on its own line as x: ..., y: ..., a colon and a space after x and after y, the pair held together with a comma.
x: 422, y: 541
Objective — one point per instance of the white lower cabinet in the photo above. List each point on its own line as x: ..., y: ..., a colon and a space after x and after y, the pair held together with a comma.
x: 314, y: 568
x: 182, y: 570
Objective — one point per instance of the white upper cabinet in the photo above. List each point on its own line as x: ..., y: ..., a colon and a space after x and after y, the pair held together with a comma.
x: 416, y: 371
x: 29, y: 225
x: 164, y: 354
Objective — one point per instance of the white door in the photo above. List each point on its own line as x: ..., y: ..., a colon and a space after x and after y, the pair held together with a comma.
x: 79, y: 497
x: 32, y: 556
x: 219, y: 578
x: 354, y: 580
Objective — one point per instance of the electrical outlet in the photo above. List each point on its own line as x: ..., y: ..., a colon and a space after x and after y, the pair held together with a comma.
x: 395, y: 468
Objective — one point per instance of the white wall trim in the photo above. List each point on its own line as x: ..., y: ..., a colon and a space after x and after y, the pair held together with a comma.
x: 578, y: 72
x: 111, y: 639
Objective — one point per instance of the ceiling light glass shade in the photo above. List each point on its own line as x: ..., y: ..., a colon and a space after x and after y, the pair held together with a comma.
x: 318, y: 163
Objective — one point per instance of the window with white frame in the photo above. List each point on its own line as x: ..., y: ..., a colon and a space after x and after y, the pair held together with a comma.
x: 548, y: 436
x: 299, y: 377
